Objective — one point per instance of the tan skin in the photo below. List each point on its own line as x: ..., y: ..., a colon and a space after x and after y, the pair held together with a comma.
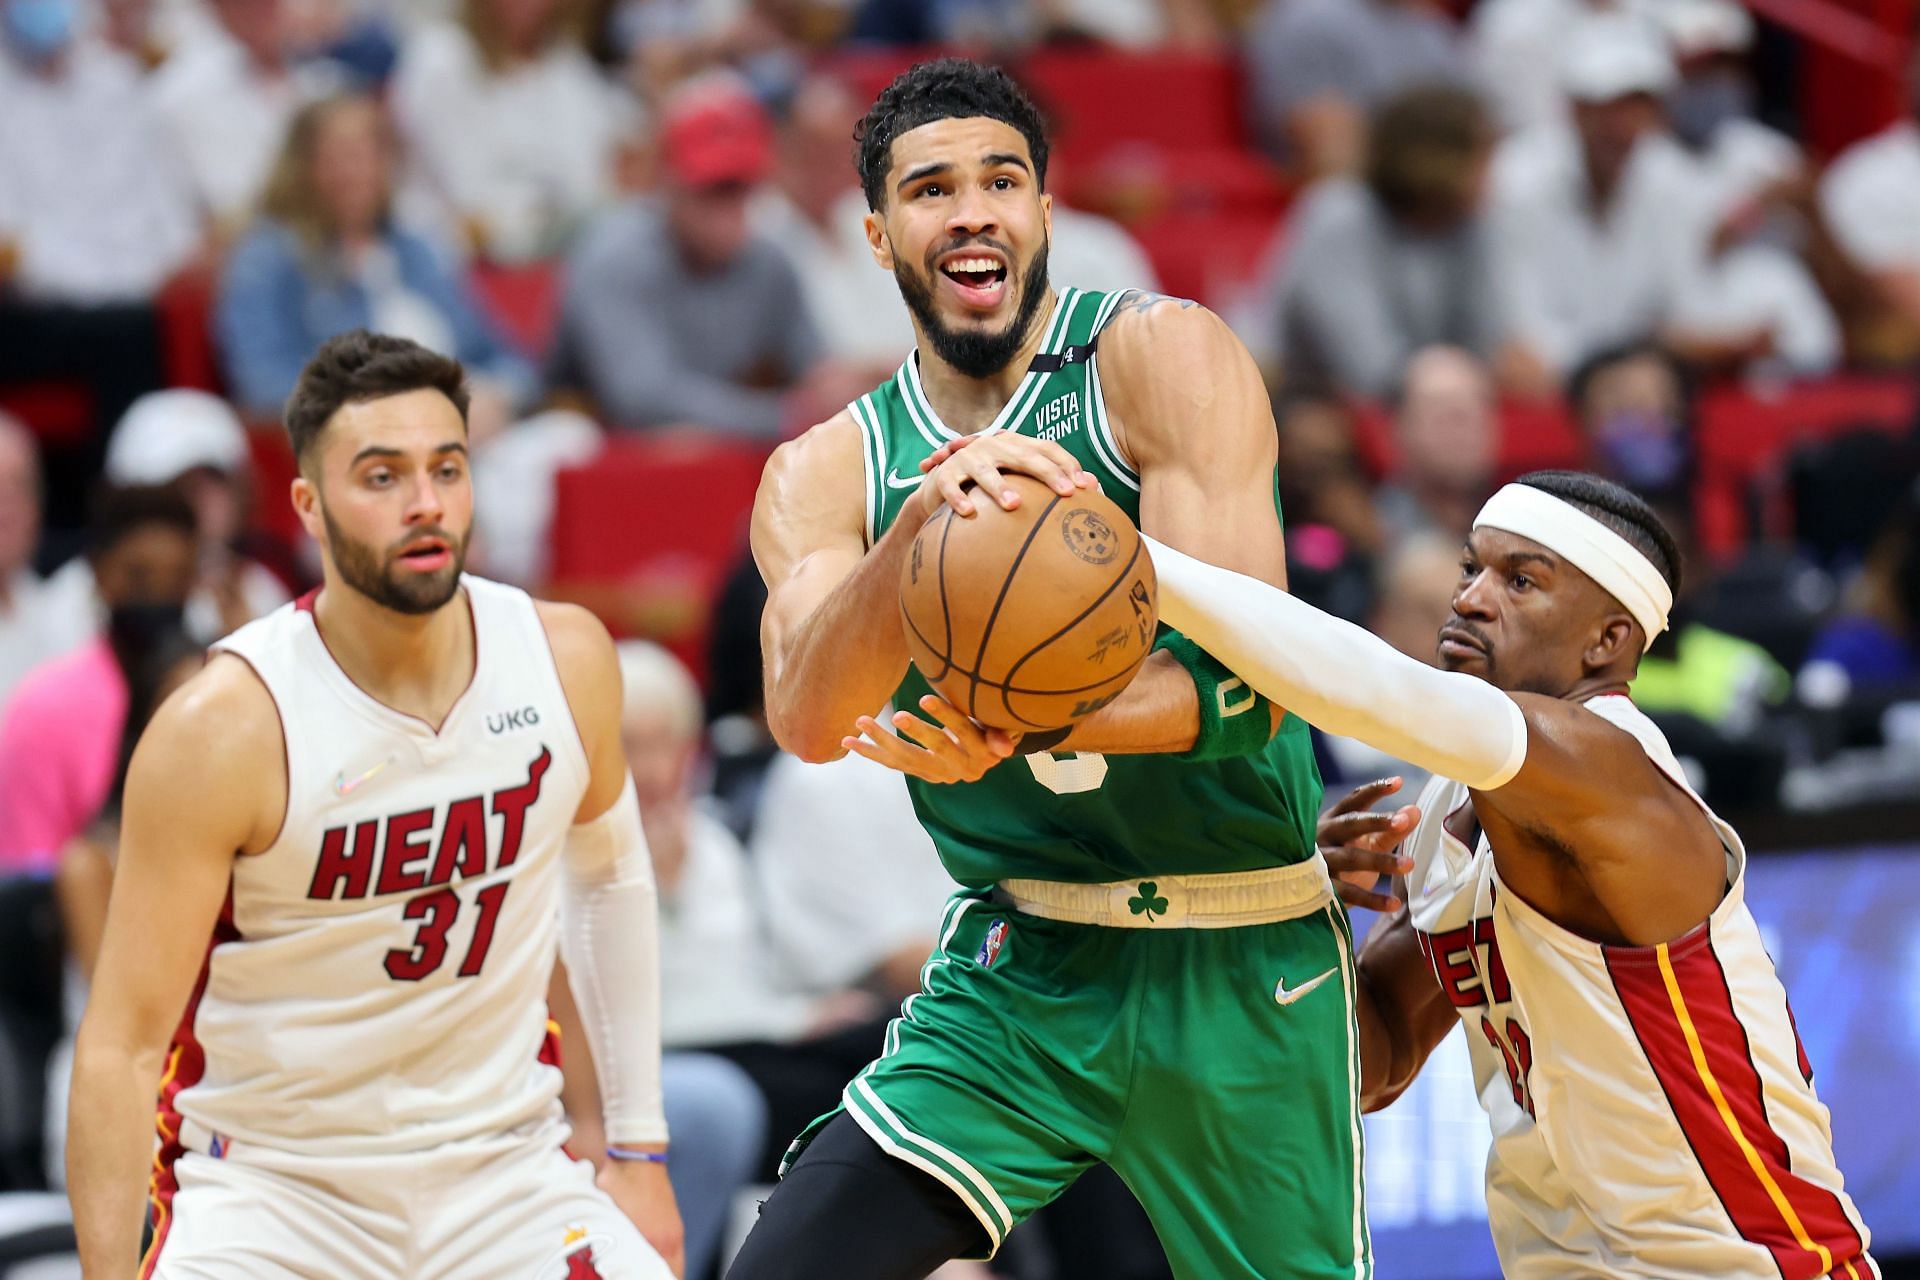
x: 1203, y: 446
x: 208, y: 784
x: 1590, y: 832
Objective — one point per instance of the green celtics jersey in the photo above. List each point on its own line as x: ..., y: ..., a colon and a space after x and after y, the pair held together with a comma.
x: 1084, y: 818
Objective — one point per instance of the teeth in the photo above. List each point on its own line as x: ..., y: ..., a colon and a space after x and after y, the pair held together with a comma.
x: 973, y: 264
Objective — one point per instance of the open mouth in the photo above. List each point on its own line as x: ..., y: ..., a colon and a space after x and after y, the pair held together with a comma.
x: 427, y: 554
x: 979, y: 278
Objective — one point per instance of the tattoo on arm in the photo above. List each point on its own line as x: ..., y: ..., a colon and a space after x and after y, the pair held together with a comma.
x: 1144, y: 300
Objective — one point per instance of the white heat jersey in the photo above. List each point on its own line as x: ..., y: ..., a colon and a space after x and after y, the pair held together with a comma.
x: 1653, y: 1110
x: 377, y: 982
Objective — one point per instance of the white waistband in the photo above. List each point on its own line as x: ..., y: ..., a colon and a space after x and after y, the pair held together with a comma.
x: 1227, y: 901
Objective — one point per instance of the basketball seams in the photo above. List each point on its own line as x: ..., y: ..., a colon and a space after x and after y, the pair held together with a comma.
x: 1006, y: 585
x: 1006, y: 688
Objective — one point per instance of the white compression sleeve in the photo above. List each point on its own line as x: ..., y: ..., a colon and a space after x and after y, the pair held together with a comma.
x: 609, y: 937
x: 1341, y: 678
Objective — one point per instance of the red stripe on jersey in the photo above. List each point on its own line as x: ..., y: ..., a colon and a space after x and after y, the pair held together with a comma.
x: 186, y: 1064
x: 1677, y: 999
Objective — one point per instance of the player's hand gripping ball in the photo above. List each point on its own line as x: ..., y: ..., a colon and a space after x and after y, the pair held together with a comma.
x: 1033, y: 618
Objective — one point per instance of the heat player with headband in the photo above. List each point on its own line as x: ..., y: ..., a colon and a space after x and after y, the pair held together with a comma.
x: 350, y: 845
x: 1570, y: 898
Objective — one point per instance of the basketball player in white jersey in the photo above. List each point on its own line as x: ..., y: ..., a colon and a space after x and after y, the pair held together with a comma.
x: 1569, y: 897
x: 349, y: 846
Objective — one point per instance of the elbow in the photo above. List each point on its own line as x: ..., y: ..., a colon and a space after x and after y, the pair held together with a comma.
x: 812, y: 739
x: 813, y: 744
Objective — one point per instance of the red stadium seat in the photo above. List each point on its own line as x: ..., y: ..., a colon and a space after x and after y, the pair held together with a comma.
x: 645, y: 534
x: 524, y: 301
x: 1745, y: 438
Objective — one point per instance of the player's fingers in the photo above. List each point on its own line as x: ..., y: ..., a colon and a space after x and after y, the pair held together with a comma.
x: 1345, y: 828
x: 886, y: 749
x: 1350, y: 860
x: 987, y: 476
x: 930, y: 737
x: 1044, y: 461
x: 951, y: 483
x: 1355, y: 896
x: 976, y: 738
x: 1366, y: 795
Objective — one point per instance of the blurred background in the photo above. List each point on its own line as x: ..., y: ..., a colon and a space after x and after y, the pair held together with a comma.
x: 1673, y: 241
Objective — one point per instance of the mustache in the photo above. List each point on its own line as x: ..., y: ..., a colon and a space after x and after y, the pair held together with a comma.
x: 432, y: 531
x: 1466, y: 628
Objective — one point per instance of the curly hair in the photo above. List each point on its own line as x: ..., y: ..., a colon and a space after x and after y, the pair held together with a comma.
x: 1619, y: 509
x: 944, y: 89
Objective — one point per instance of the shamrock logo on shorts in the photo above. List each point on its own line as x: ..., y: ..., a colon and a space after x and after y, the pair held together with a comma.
x: 1147, y: 902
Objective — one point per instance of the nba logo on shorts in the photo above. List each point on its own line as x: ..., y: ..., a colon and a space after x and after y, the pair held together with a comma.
x: 990, y: 945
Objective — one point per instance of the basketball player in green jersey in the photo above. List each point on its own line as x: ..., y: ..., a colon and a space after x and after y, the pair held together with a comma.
x: 1145, y: 965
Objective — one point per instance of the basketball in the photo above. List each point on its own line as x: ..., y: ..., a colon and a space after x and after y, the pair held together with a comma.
x: 1032, y: 618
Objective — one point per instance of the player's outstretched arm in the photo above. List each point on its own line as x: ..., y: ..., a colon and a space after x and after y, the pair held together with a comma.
x: 609, y: 910
x: 206, y: 783
x: 1645, y: 849
x: 1340, y: 677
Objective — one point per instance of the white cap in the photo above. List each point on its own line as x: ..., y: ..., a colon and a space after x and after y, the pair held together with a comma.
x: 1704, y: 26
x: 1614, y: 55
x: 165, y: 434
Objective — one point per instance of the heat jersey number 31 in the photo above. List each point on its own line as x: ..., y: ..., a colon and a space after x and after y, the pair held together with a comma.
x: 436, y: 912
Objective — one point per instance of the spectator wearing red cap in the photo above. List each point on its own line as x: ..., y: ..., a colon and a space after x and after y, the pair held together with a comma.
x: 675, y: 311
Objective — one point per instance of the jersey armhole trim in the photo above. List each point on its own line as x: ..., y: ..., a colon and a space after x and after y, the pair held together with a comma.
x: 1104, y: 441
x: 286, y: 750
x: 873, y: 457
x: 573, y: 720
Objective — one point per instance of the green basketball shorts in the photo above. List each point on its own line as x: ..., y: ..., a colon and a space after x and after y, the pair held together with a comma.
x: 1215, y: 1069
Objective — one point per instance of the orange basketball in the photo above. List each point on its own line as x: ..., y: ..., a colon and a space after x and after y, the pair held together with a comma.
x: 1032, y: 618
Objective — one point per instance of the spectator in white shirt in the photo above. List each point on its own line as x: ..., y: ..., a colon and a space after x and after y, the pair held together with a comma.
x: 512, y: 129
x: 1317, y: 67
x: 816, y: 212
x: 25, y: 639
x: 1604, y: 230
x: 1868, y: 200
x: 227, y: 95
x: 93, y: 206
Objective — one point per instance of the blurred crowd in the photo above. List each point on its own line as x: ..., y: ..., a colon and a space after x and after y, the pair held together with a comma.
x: 638, y: 220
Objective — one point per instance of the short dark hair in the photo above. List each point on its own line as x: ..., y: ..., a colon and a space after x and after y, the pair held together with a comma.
x: 121, y: 511
x: 1619, y: 509
x: 1580, y: 382
x: 356, y: 366
x: 944, y: 89
x: 1425, y: 141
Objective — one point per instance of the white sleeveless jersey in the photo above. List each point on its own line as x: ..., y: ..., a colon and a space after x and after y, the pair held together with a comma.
x: 377, y: 982
x: 1653, y: 1110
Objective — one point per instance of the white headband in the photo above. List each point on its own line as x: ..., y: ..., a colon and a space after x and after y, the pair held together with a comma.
x: 1603, y: 555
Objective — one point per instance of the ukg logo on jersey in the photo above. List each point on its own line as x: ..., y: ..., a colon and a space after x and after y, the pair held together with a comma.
x: 507, y: 721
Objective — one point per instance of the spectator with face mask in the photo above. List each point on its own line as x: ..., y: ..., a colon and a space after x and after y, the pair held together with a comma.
x: 61, y: 735
x: 193, y: 441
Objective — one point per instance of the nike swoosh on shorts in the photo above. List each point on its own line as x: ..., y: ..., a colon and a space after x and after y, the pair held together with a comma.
x: 1283, y: 996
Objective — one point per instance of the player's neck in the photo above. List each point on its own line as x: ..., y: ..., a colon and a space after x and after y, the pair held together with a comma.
x: 418, y: 664
x: 971, y: 404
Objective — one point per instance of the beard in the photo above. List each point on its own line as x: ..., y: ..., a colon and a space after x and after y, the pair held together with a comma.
x: 974, y: 353
x: 377, y: 577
